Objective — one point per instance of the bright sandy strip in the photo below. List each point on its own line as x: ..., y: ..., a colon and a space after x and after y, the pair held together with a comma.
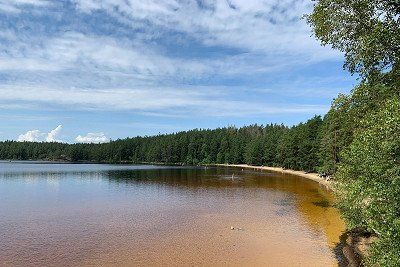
x: 311, y: 176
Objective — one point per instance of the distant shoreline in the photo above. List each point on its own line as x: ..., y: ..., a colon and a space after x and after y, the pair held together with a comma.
x: 311, y: 176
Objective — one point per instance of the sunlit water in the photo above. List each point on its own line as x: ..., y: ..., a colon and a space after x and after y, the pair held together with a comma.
x: 115, y: 215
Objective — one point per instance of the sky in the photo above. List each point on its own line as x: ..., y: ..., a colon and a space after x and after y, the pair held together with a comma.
x: 98, y: 70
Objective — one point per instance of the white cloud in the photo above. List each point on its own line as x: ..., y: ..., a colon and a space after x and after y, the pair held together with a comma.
x: 5, y: 7
x: 53, y: 134
x: 269, y: 26
x: 196, y: 101
x: 33, y: 2
x: 96, y: 53
x: 31, y: 136
x: 38, y: 136
x: 15, y: 6
x: 270, y: 33
x: 27, y: 64
x: 92, y: 138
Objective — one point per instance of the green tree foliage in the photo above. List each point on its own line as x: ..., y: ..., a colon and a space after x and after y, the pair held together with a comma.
x: 299, y: 147
x: 347, y: 112
x: 360, y: 134
x: 367, y: 31
x: 370, y: 181
x: 254, y: 153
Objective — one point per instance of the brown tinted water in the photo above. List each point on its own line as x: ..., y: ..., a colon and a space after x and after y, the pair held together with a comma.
x: 108, y: 215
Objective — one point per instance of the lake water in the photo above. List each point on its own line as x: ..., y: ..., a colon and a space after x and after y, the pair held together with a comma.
x: 117, y: 215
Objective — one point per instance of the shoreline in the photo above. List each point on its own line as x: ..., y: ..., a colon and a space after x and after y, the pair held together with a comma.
x: 311, y: 176
x: 354, y: 244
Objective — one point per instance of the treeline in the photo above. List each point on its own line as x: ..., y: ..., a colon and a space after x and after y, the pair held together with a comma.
x: 297, y: 147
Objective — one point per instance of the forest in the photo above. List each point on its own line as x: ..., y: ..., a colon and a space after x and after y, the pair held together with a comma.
x: 357, y: 141
x: 273, y: 145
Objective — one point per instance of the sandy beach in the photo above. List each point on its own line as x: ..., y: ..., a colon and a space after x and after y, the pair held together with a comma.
x: 312, y: 176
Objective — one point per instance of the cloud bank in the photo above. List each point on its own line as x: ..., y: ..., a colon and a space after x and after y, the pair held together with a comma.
x: 52, y: 135
x: 38, y: 136
x: 30, y: 136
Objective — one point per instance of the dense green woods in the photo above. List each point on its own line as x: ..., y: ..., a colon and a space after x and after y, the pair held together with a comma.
x: 273, y: 145
x: 366, y: 123
x: 358, y: 140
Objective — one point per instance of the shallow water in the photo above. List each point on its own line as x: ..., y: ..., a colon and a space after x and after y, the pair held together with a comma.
x: 116, y: 215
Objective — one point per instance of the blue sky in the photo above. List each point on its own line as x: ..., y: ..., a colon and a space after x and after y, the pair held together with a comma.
x: 91, y: 70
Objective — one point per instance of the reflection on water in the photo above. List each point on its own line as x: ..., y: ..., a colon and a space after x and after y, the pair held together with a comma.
x: 82, y: 214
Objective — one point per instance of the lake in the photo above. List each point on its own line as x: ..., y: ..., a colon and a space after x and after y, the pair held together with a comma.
x: 127, y: 215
